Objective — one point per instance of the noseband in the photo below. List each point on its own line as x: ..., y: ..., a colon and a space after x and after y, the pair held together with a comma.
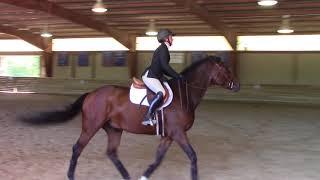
x: 231, y: 84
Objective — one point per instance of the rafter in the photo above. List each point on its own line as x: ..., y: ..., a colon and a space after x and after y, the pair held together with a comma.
x: 35, y: 40
x: 212, y: 20
x: 55, y: 9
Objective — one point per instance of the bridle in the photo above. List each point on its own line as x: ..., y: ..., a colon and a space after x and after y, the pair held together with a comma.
x: 230, y: 82
x: 194, y: 86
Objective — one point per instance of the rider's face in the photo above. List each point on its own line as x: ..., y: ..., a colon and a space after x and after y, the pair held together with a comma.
x: 170, y: 40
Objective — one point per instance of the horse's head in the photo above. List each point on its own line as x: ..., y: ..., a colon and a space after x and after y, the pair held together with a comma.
x: 221, y: 76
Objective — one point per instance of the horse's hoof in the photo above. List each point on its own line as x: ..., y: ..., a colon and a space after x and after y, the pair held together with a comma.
x: 143, y: 178
x: 70, y: 177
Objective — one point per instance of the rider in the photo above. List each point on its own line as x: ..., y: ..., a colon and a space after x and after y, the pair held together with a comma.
x: 154, y: 74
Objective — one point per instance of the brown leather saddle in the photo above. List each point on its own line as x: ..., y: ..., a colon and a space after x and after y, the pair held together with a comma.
x: 139, y: 84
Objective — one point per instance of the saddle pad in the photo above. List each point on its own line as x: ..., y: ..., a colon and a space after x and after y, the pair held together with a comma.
x: 136, y: 96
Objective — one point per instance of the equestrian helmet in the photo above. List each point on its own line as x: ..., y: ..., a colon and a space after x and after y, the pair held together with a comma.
x: 163, y: 34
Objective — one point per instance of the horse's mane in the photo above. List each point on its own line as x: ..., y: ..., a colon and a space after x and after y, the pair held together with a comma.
x: 200, y: 62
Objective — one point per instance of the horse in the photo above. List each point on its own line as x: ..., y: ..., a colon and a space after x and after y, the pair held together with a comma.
x: 110, y: 109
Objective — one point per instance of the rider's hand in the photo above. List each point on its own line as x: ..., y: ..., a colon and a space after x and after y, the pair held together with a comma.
x: 181, y: 77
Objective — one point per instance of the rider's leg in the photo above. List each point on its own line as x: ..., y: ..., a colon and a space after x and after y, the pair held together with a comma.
x: 154, y: 85
x: 155, y: 103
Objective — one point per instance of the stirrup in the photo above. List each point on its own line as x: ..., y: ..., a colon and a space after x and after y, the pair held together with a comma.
x: 150, y: 122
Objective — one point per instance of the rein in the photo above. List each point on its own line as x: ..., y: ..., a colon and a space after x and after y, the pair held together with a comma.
x: 194, y: 86
x: 186, y: 90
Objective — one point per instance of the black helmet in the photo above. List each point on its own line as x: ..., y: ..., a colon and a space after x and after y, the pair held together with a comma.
x: 163, y: 34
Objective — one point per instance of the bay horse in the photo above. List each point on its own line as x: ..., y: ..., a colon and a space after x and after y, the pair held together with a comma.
x: 109, y: 108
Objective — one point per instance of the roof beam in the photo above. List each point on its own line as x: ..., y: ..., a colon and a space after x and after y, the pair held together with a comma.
x: 35, y: 40
x: 55, y: 9
x: 212, y: 20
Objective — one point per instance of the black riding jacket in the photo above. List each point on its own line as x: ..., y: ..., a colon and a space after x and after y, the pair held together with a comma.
x: 160, y: 64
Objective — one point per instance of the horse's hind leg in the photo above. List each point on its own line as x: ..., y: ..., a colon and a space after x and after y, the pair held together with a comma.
x: 114, y: 137
x: 83, y: 140
x: 76, y: 151
x: 161, y: 151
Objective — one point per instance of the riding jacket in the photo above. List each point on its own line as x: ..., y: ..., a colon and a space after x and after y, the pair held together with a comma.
x: 160, y: 64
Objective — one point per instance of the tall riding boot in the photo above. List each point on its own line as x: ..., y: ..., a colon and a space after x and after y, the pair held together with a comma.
x: 155, y: 103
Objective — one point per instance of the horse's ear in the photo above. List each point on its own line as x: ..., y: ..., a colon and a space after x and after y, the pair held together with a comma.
x: 216, y: 59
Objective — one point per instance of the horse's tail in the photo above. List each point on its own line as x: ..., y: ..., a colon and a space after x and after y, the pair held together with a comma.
x: 57, y: 116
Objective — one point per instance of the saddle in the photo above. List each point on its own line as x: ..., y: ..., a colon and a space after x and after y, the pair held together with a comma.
x: 139, y: 92
x: 139, y: 84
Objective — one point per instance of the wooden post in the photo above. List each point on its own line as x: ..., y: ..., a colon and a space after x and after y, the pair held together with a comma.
x: 234, y: 63
x: 48, y: 56
x: 132, y: 57
x: 233, y: 55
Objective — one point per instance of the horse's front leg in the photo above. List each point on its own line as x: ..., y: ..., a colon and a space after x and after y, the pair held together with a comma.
x: 182, y: 139
x: 161, y: 151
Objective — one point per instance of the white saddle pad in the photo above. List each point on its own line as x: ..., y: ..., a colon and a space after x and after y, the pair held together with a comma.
x: 136, y: 96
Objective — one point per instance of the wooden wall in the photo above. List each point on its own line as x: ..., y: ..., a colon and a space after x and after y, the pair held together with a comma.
x: 256, y: 68
x: 94, y: 70
x: 282, y: 68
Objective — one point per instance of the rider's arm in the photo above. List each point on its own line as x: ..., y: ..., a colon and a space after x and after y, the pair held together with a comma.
x: 164, y: 61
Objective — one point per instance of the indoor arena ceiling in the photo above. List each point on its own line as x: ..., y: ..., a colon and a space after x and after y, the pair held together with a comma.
x: 74, y: 18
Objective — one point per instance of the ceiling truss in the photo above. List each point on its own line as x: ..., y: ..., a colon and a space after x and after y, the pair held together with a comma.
x: 130, y: 18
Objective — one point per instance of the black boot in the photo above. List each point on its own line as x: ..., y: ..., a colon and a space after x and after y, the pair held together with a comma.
x: 155, y: 103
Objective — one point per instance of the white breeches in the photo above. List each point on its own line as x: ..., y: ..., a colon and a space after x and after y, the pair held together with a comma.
x: 153, y: 84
